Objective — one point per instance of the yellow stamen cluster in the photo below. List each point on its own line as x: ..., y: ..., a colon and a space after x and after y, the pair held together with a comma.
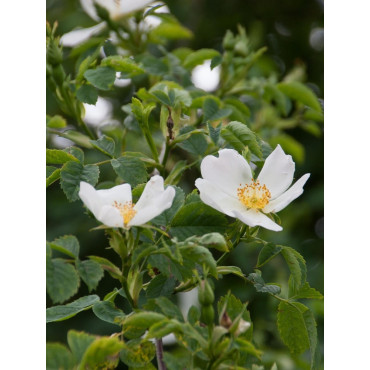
x: 254, y: 195
x: 126, y: 210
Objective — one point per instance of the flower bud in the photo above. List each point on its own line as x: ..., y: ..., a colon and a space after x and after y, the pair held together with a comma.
x: 205, y: 293
x: 225, y: 321
x: 242, y: 327
x: 207, y: 314
x: 228, y: 41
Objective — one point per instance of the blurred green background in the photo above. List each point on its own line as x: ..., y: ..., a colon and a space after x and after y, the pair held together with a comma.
x: 293, y: 32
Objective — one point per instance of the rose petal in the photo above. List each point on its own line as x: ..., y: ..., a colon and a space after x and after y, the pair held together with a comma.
x: 284, y: 199
x: 277, y: 172
x: 77, y: 37
x: 216, y: 198
x: 110, y: 216
x: 227, y: 171
x: 252, y: 218
x: 153, y: 201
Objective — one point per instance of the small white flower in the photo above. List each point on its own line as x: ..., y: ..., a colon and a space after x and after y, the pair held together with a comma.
x: 117, y: 9
x: 228, y: 186
x: 114, y: 208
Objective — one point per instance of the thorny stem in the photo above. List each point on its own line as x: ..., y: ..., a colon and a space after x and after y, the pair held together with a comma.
x: 159, y: 352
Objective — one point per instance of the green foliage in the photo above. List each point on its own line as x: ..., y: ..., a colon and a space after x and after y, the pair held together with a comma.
x: 62, y: 280
x: 239, y: 136
x: 63, y: 312
x: 161, y: 124
x: 130, y: 169
x: 58, y: 357
x: 102, y: 77
x: 105, y: 145
x: 87, y: 94
x: 107, y: 311
x: 90, y: 272
x: 72, y: 173
x: 196, y: 218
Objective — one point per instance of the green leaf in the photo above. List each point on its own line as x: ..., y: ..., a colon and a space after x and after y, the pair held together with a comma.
x: 239, y: 136
x: 137, y: 353
x: 107, y: 265
x: 132, y: 170
x: 212, y: 112
x: 297, y: 91
x: 141, y: 320
x: 292, y: 326
x: 166, y: 217
x: 122, y: 64
x: 160, y: 285
x: 87, y: 94
x: 214, y: 240
x: 261, y: 286
x: 63, y: 312
x: 56, y: 156
x: 73, y: 173
x: 62, y: 281
x: 175, y: 175
x: 267, y: 253
x: 107, y: 311
x: 195, y: 144
x: 52, y: 175
x: 297, y: 267
x: 245, y: 346
x: 310, y: 323
x: 200, y: 56
x: 307, y: 292
x: 78, y: 343
x: 102, y: 354
x: 78, y: 138
x: 217, y: 60
x: 101, y: 77
x: 163, y: 98
x: 56, y: 121
x: 163, y: 328
x: 196, y: 218
x: 58, y: 357
x: 225, y: 270
x: 90, y: 272
x: 201, y: 256
x: 67, y: 244
x: 76, y: 152
x: 104, y: 144
x: 214, y: 132
x: 165, y: 306
x: 171, y: 31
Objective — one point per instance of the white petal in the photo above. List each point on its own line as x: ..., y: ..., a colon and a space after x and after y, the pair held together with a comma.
x: 252, y: 218
x: 284, y: 199
x: 110, y: 216
x: 120, y: 194
x: 153, y: 201
x: 217, y: 199
x: 89, y: 8
x: 277, y: 172
x: 129, y: 6
x: 90, y: 197
x: 77, y: 37
x: 100, y: 202
x: 227, y: 171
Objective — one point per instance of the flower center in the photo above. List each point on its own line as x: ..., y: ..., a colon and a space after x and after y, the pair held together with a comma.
x: 254, y: 195
x: 126, y: 210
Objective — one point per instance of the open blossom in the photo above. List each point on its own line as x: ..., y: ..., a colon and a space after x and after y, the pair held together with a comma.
x: 228, y: 186
x: 114, y: 208
x: 116, y: 8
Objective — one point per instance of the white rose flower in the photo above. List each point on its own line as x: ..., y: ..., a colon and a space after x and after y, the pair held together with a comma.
x: 114, y: 208
x: 228, y: 186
